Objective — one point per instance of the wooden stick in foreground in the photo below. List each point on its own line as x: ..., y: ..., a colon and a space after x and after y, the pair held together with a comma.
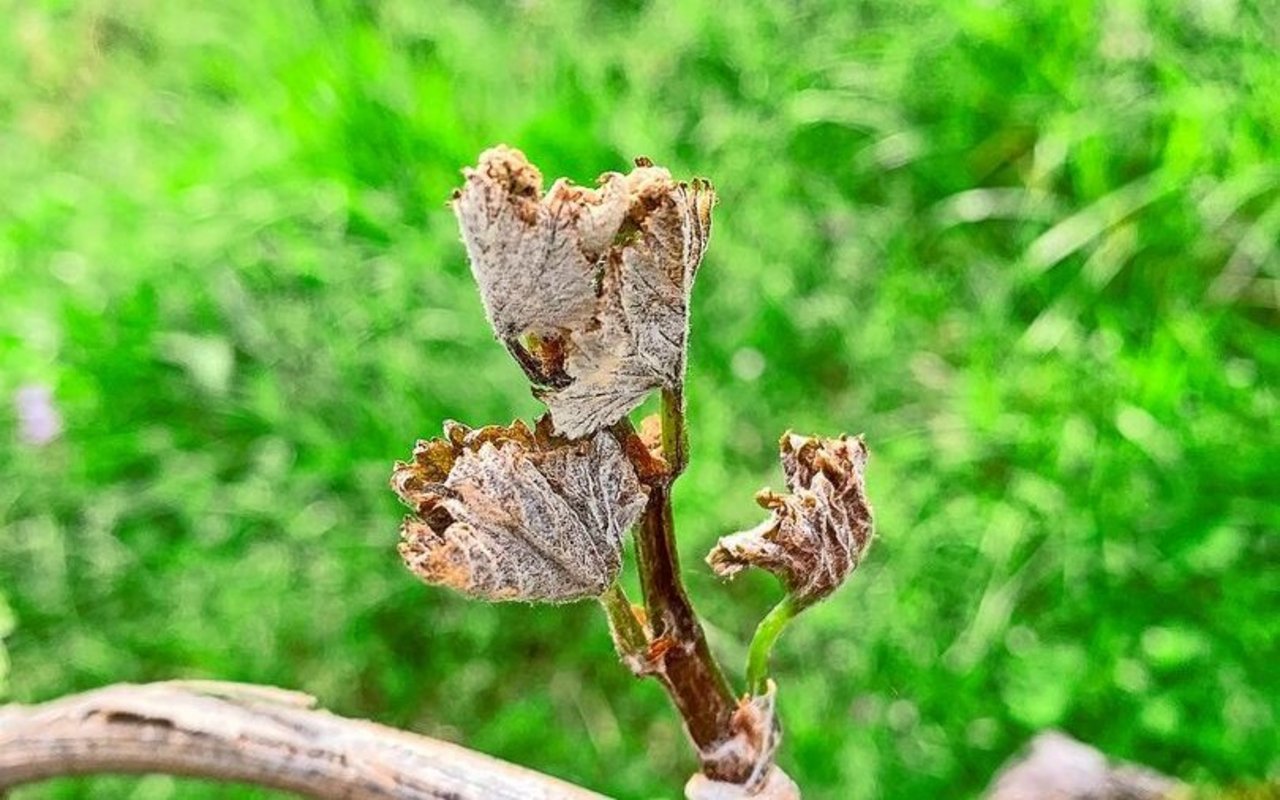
x: 255, y: 734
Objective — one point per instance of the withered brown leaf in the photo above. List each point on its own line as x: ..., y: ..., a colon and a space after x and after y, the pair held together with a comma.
x: 816, y: 535
x: 588, y: 288
x: 509, y: 513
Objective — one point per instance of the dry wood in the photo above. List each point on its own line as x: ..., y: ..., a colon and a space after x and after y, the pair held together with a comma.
x: 1057, y: 767
x: 255, y: 734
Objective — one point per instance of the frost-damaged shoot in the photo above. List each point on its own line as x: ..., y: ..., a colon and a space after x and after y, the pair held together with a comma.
x: 589, y: 291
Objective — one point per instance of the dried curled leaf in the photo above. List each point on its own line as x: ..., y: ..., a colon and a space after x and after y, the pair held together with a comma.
x: 816, y: 535
x: 588, y: 288
x: 509, y: 513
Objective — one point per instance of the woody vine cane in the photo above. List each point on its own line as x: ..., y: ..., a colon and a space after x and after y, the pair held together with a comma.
x: 589, y: 289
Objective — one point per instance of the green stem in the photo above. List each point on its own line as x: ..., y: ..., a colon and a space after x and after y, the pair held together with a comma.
x: 767, y: 633
x: 628, y: 637
x: 675, y: 434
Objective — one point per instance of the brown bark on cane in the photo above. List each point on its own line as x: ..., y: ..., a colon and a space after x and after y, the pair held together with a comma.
x: 255, y: 734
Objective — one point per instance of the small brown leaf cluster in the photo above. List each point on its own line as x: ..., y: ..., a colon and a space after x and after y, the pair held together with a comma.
x: 816, y: 535
x: 510, y: 513
x: 588, y: 288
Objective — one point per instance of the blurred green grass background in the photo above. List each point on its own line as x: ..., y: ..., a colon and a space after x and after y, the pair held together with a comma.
x: 1030, y: 249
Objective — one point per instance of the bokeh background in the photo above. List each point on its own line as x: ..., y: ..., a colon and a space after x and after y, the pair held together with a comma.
x: 1030, y: 249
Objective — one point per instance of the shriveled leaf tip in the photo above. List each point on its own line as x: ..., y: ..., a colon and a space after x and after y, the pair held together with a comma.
x: 513, y: 513
x: 588, y: 288
x: 816, y: 535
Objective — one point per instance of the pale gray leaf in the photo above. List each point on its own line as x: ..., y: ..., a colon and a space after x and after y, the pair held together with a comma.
x: 514, y: 514
x: 588, y: 288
